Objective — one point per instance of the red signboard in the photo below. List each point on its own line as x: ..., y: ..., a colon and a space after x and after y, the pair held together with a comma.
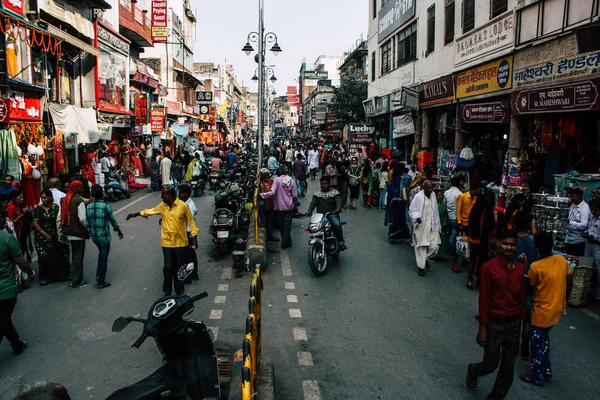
x: 4, y: 110
x: 160, y: 30
x: 23, y: 107
x: 141, y: 109
x: 212, y: 115
x: 173, y: 107
x: 157, y: 121
x: 17, y: 6
x: 495, y: 112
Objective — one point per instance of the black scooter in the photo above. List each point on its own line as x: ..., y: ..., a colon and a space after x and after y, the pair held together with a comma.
x: 190, y: 370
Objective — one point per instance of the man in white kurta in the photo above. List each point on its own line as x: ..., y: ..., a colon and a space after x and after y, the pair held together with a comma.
x: 165, y: 170
x: 426, y: 221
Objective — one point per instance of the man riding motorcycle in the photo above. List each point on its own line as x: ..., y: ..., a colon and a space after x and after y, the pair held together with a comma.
x: 328, y: 200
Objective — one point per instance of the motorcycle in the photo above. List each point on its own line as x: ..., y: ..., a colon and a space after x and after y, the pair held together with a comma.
x: 214, y: 179
x: 191, y: 366
x: 229, y: 209
x: 322, y: 245
x: 113, y: 190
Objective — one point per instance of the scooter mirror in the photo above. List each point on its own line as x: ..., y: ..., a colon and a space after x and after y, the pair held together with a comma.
x: 120, y: 324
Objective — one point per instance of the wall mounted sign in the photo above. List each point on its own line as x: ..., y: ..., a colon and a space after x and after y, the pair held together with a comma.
x: 359, y: 132
x: 494, y: 112
x: 496, y: 36
x: 173, y: 107
x: 17, y: 6
x: 111, y: 39
x: 487, y: 78
x: 579, y: 96
x: 4, y: 110
x: 393, y: 15
x: 437, y: 91
x: 160, y: 28
x: 141, y: 109
x: 212, y: 115
x: 204, y: 109
x: 157, y: 120
x: 23, y: 106
x: 204, y: 97
x: 316, y: 75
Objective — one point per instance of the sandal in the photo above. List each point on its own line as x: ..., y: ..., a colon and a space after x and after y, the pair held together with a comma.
x: 104, y: 285
x: 470, y: 284
x: 528, y: 378
x: 43, y: 283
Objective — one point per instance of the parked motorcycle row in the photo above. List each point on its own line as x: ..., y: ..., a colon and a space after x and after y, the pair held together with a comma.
x: 233, y: 188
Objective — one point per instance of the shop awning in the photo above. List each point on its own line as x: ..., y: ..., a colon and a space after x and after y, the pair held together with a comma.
x: 73, y: 40
x: 71, y: 13
x: 12, y: 81
x: 187, y: 78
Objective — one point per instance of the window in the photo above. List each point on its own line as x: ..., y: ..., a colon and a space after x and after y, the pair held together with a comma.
x: 449, y: 34
x: 407, y: 44
x: 498, y: 7
x: 468, y: 13
x: 374, y: 2
x: 373, y: 57
x: 431, y: 29
x: 386, y: 57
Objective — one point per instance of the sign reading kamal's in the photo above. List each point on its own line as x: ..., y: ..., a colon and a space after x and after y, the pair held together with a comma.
x: 487, y: 78
x: 393, y: 15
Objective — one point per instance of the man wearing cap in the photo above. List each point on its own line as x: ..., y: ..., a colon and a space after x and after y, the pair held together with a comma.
x: 579, y: 216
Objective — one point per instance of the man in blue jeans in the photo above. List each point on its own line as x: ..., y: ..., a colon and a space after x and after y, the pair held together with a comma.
x: 99, y: 217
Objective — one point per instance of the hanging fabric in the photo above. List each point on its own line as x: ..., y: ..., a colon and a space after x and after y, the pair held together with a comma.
x: 9, y: 160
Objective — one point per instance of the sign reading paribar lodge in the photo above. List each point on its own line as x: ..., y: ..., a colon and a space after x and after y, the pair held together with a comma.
x: 580, y: 96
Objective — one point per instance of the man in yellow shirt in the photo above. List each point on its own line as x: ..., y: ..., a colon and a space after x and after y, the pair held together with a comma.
x: 176, y: 215
x: 464, y: 205
x: 551, y: 277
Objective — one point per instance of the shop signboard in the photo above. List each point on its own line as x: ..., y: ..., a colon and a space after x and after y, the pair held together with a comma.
x: 489, y: 40
x: 17, y: 6
x: 403, y: 126
x: 141, y: 109
x: 554, y: 61
x: 160, y: 29
x: 369, y: 106
x: 25, y: 107
x: 188, y: 109
x: 360, y: 132
x: 403, y: 99
x: 579, y: 96
x: 487, y: 78
x: 157, y: 120
x: 212, y: 115
x: 489, y: 113
x: 316, y: 75
x: 105, y: 131
x: 204, y: 109
x: 204, y: 97
x: 70, y: 140
x: 393, y: 15
x: 173, y: 107
x: 4, y: 110
x: 436, y: 91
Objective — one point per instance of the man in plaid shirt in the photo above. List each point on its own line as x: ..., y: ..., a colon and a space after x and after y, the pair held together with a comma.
x: 98, y: 217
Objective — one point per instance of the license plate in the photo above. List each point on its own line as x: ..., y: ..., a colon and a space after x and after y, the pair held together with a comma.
x: 222, y: 234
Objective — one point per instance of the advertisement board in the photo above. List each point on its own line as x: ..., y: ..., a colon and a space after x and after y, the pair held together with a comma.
x: 393, y: 15
x: 160, y: 30
x: 157, y: 120
x: 579, y: 96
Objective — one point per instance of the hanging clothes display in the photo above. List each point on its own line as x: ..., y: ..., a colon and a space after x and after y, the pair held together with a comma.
x: 9, y: 162
x: 466, y: 158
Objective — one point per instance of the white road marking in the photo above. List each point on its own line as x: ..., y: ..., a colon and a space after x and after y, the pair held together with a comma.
x: 223, y: 287
x: 305, y: 358
x: 295, y: 313
x: 215, y: 331
x: 290, y: 285
x: 311, y: 390
x: 226, y: 275
x: 220, y: 299
x: 285, y: 265
x: 292, y: 298
x: 590, y: 314
x: 300, y: 334
x: 216, y: 314
x: 132, y: 203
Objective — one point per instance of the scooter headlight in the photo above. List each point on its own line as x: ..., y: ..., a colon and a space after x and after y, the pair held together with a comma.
x: 312, y: 228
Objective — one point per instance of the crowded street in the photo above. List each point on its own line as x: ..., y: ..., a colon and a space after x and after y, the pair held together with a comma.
x: 373, y: 328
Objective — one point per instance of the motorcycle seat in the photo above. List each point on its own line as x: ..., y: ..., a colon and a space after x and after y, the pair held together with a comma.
x: 222, y: 211
x: 152, y: 387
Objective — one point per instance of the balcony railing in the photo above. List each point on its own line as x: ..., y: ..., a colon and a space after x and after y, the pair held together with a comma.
x: 136, y: 20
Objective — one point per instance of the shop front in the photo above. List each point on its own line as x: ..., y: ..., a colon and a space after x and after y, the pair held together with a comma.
x: 483, y: 117
x: 558, y: 110
x: 112, y: 83
x: 377, y: 109
x: 404, y: 104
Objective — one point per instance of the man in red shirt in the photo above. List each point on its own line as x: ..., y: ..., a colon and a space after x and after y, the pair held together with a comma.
x: 501, y: 309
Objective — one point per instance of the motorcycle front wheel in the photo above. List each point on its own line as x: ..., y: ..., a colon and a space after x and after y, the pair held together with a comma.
x: 317, y: 260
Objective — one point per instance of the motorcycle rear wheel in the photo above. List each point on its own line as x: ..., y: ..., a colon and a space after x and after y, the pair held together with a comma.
x: 318, y: 262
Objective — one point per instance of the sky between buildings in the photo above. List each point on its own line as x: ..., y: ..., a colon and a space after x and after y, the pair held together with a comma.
x: 306, y: 28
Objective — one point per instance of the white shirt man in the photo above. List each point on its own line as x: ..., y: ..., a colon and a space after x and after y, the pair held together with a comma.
x: 105, y: 164
x: 451, y: 198
x: 165, y: 169
x: 424, y: 214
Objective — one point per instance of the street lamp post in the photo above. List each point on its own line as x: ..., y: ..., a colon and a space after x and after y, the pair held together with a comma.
x: 262, y: 39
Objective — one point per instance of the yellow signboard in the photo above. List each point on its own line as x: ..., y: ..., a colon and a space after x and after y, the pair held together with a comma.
x: 487, y: 78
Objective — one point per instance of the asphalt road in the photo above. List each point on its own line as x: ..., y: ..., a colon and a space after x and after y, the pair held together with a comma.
x: 369, y: 329
x: 68, y: 331
x: 373, y: 329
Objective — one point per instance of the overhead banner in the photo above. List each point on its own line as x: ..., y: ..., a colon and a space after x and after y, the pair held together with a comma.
x: 160, y: 31
x: 487, y: 78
